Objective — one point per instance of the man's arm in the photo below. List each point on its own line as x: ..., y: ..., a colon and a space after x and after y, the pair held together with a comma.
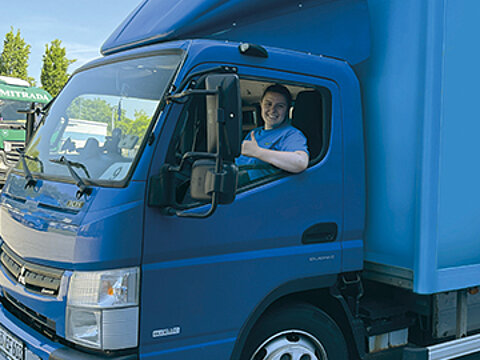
x: 291, y: 161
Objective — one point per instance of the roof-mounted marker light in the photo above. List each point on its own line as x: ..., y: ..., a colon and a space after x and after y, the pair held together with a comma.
x: 253, y: 50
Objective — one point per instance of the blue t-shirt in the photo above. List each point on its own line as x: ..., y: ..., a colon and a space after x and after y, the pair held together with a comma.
x: 282, y: 138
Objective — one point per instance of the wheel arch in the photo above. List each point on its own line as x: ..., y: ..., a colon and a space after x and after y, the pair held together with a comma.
x: 315, y: 291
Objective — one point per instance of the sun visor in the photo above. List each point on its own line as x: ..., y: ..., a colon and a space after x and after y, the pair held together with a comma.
x: 338, y: 28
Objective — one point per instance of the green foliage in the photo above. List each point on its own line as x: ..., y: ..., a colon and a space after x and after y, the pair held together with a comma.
x: 14, y: 57
x: 125, y: 124
x: 139, y: 125
x: 55, y: 65
x: 100, y: 110
x: 90, y: 109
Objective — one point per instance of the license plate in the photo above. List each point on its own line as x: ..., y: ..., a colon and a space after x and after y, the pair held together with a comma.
x: 10, y: 346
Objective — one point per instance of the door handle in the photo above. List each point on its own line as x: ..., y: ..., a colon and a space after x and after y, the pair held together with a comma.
x: 320, y: 233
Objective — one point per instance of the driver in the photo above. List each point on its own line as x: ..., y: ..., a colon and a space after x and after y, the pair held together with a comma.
x: 278, y: 143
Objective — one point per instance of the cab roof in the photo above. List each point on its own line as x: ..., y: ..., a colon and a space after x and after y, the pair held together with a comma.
x: 338, y: 28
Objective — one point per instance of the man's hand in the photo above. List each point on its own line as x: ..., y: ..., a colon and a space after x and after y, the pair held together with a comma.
x: 291, y: 161
x: 250, y: 148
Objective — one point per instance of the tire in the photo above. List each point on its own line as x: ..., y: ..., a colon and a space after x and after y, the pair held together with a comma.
x: 296, y: 332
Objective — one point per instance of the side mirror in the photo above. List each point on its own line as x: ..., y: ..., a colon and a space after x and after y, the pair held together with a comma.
x: 214, y: 175
x: 207, y: 184
x: 206, y: 181
x: 224, y: 116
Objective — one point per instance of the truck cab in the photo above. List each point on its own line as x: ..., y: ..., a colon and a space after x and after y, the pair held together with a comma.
x: 119, y: 215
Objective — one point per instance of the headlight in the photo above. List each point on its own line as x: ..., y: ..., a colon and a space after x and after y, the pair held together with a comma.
x: 102, y: 309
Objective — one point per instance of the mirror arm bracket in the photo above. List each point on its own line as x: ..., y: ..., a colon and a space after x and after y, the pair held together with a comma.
x: 189, y: 156
x: 203, y: 73
x: 180, y: 98
x: 211, y: 210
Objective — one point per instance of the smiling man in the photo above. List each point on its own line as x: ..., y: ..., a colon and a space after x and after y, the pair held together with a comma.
x: 278, y: 143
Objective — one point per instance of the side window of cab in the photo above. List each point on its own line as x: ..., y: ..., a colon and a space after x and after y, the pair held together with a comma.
x: 308, y: 113
x: 306, y: 126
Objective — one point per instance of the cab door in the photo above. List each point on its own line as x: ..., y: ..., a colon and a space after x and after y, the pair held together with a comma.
x: 203, y: 278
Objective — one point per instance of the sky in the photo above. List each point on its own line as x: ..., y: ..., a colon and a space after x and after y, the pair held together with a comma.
x: 81, y: 25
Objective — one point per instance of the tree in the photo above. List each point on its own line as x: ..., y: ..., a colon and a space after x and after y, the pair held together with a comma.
x: 96, y: 109
x: 137, y: 126
x: 140, y: 124
x: 14, y: 57
x: 55, y: 65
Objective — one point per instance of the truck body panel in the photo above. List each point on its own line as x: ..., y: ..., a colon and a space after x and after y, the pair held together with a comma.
x: 419, y: 117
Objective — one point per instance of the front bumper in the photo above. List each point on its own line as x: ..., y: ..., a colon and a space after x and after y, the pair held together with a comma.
x: 35, y: 342
x: 45, y: 348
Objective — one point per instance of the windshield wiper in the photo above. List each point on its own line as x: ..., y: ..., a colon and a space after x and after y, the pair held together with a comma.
x: 28, y: 174
x: 83, y: 189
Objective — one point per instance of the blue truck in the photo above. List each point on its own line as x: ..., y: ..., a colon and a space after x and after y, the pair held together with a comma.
x: 150, y: 243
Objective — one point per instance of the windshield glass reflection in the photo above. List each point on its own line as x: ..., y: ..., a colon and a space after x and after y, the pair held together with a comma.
x: 100, y: 120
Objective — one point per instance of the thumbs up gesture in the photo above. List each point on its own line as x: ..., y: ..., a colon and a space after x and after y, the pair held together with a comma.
x: 250, y: 147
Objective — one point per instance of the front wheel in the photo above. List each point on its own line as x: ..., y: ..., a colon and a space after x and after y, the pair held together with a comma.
x: 297, y: 332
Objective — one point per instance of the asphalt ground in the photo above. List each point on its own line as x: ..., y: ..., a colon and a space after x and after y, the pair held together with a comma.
x: 470, y: 357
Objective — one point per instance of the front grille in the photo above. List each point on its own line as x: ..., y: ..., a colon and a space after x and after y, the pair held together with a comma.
x: 11, y: 151
x: 36, y: 278
x: 41, y: 323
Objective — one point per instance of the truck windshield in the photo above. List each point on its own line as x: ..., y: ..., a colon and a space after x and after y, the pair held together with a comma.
x: 100, y: 120
x: 9, y: 110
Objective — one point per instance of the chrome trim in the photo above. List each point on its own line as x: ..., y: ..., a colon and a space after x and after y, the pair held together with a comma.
x: 455, y: 348
x: 36, y: 278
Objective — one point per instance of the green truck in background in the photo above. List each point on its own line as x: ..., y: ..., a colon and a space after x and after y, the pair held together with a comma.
x: 18, y: 102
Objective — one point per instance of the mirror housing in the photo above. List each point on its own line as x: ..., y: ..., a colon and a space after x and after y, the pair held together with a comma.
x: 161, y: 190
x: 206, y: 181
x: 224, y: 116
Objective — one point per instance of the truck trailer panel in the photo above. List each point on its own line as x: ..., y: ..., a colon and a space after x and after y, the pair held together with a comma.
x: 418, y: 89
